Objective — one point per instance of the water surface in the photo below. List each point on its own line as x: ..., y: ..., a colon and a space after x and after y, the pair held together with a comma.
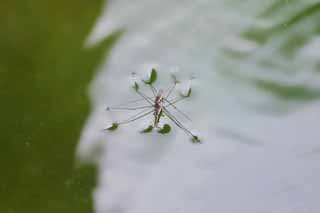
x: 255, y: 103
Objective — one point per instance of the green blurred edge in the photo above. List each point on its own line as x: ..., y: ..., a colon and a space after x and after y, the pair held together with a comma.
x: 44, y: 76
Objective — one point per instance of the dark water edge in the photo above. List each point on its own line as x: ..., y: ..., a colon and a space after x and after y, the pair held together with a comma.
x: 44, y: 76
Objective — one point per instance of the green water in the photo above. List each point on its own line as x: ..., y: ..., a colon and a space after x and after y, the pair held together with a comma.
x: 44, y: 75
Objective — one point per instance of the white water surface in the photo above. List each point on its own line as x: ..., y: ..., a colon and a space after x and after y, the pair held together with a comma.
x: 260, y: 151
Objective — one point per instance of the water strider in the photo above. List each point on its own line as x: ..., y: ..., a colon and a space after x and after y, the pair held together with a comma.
x: 158, y: 106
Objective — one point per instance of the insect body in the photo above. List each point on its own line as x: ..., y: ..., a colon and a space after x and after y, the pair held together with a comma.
x: 158, y: 105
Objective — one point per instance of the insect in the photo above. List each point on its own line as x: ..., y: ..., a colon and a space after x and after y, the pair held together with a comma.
x: 158, y: 106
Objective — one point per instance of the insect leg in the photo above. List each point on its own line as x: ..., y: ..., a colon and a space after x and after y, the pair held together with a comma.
x: 175, y: 120
x: 176, y: 100
x: 136, y: 118
x: 176, y: 108
x: 137, y: 114
x: 154, y: 90
x: 129, y: 102
x: 145, y: 97
x: 171, y: 89
x: 128, y: 108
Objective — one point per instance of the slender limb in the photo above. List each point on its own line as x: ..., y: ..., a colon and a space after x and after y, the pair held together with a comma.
x: 174, y: 119
x: 171, y: 89
x: 129, y: 108
x: 178, y: 110
x: 134, y: 119
x: 145, y: 97
x: 176, y: 100
x: 154, y: 90
x: 181, y: 126
x: 173, y: 86
x: 176, y: 84
x: 129, y: 102
x: 139, y: 113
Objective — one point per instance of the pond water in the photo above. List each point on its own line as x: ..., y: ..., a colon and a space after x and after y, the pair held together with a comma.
x: 255, y: 104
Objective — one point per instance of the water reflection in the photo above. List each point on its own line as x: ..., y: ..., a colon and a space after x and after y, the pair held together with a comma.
x: 255, y: 84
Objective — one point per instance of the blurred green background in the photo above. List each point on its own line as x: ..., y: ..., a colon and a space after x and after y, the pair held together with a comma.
x: 44, y: 75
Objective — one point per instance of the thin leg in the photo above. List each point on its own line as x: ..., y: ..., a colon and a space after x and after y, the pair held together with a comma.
x: 178, y: 110
x: 137, y: 114
x: 134, y: 119
x: 154, y: 90
x: 145, y: 97
x: 176, y: 100
x: 128, y: 108
x: 171, y: 89
x: 174, y: 85
x: 175, y: 120
x: 129, y: 102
